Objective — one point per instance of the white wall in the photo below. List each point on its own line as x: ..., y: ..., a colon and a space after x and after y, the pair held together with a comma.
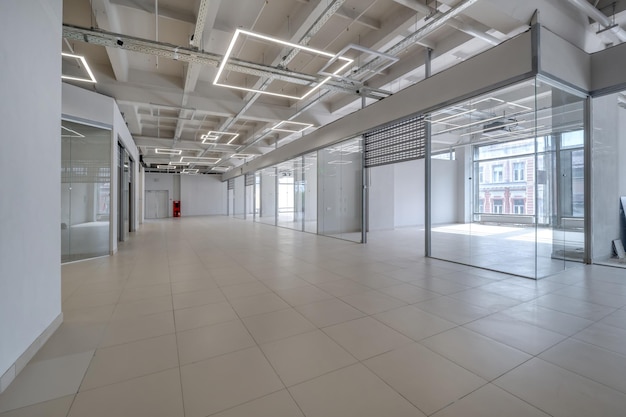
x: 162, y: 182
x: 396, y: 194
x: 202, y: 195
x: 409, y: 193
x: 609, y: 170
x: 30, y: 209
x: 381, y: 192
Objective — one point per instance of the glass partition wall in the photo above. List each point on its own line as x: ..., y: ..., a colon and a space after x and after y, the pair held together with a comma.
x: 340, y: 190
x: 320, y: 192
x: 85, y: 191
x: 519, y: 181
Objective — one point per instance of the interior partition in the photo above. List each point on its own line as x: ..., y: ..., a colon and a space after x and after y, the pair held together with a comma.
x: 519, y: 176
x: 85, y: 191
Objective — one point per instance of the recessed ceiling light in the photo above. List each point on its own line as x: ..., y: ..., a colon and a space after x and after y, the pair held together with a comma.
x: 347, y: 62
x: 179, y: 163
x: 284, y: 126
x: 168, y: 151
x: 82, y: 59
x: 166, y: 167
x: 339, y: 162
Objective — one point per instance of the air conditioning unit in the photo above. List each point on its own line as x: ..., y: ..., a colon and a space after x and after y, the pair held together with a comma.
x: 505, y: 125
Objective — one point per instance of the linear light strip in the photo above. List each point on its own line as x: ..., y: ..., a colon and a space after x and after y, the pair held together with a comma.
x: 279, y: 41
x: 84, y: 61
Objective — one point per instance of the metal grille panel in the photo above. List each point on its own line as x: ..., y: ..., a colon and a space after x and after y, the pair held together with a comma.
x: 249, y: 179
x: 231, y: 184
x: 399, y: 142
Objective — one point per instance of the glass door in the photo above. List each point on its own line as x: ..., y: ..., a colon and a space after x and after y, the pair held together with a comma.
x: 85, y: 191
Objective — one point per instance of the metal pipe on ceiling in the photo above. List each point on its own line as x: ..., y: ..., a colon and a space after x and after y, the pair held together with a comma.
x: 599, y: 17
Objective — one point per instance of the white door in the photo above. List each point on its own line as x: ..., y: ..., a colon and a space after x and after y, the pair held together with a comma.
x: 157, y: 204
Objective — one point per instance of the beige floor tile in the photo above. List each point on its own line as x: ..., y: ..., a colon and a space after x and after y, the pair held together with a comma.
x: 277, y: 325
x: 205, y: 342
x: 217, y: 384
x: 303, y: 295
x: 145, y: 292
x: 140, y: 308
x: 607, y: 337
x: 485, y: 299
x: 490, y: 401
x: 376, y: 281
x: 278, y: 404
x: 329, y: 312
x: 372, y: 302
x: 91, y: 300
x: 617, y: 319
x: 548, y: 318
x: 285, y: 282
x: 589, y: 311
x: 144, y: 327
x: 453, y: 310
x: 483, y: 356
x: 366, y: 337
x: 154, y: 395
x: 518, y: 334
x: 130, y: 360
x: 198, y: 298
x: 590, y: 361
x: 52, y: 408
x: 342, y: 287
x: 233, y: 279
x: 414, y: 323
x: 409, y: 293
x: 46, y: 380
x: 244, y: 290
x: 426, y: 379
x: 205, y: 315
x: 72, y: 337
x: 561, y: 393
x: 89, y: 315
x: 352, y: 391
x: 179, y: 287
x: 305, y: 356
x: 258, y: 304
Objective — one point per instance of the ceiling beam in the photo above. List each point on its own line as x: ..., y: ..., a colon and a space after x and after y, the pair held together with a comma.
x: 107, y: 19
x: 164, y: 10
x: 354, y: 16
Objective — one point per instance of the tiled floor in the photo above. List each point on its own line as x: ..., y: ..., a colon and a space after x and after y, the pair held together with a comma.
x: 222, y: 317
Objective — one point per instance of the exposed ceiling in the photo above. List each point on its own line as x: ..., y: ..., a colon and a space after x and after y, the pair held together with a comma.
x: 159, y: 60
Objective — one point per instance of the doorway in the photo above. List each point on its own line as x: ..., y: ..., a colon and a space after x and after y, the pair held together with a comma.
x: 156, y: 204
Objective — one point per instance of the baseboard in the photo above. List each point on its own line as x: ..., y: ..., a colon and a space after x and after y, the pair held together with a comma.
x: 22, y: 361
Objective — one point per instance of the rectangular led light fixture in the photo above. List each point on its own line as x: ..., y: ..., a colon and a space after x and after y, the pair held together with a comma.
x: 179, y: 163
x: 286, y: 126
x: 206, y: 138
x: 347, y: 62
x: 339, y: 162
x: 168, y: 151
x: 200, y: 160
x: 242, y: 155
x: 82, y: 59
x: 220, y: 169
x: 190, y: 171
x: 166, y: 167
x: 217, y: 134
